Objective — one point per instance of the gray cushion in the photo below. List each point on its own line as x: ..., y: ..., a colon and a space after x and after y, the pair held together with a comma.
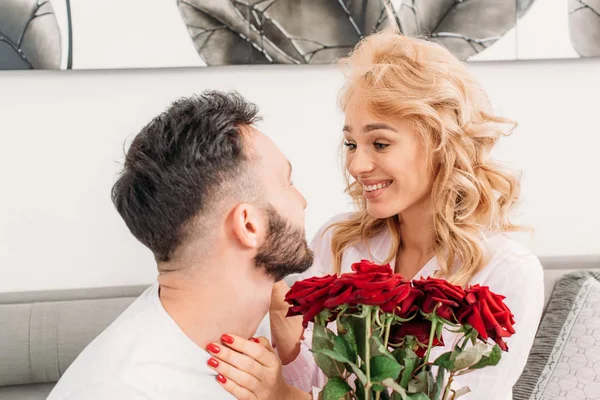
x: 39, y: 296
x: 14, y: 344
x: 39, y: 340
x: 26, y: 392
x: 555, y: 267
x: 564, y: 361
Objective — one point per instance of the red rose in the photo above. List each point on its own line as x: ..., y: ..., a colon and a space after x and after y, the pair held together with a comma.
x: 370, y: 284
x: 366, y: 266
x: 341, y: 293
x: 487, y: 314
x: 411, y: 304
x: 374, y: 285
x: 418, y: 327
x: 439, y: 292
x: 307, y: 297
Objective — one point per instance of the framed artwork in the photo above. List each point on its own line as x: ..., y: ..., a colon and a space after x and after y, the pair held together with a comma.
x: 109, y: 34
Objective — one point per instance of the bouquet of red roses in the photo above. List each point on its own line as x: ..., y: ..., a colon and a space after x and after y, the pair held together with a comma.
x: 387, y: 326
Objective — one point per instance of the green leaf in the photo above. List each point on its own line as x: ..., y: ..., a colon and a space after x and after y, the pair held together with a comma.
x: 346, y: 332
x: 418, y: 396
x: 336, y: 356
x: 377, y: 387
x: 332, y: 354
x: 399, y: 354
x: 491, y: 359
x: 323, y: 317
x: 359, y: 373
x: 360, y: 389
x: 461, y: 392
x: 329, y: 366
x: 323, y: 341
x: 439, y: 329
x: 399, y: 390
x: 439, y: 384
x: 405, y: 353
x: 359, y: 326
x: 321, y: 332
x: 421, y: 383
x: 416, y: 386
x: 383, y: 367
x: 336, y: 389
x: 445, y: 361
x: 410, y: 362
x: 341, y: 346
x: 384, y: 395
x: 378, y: 349
x: 470, y: 356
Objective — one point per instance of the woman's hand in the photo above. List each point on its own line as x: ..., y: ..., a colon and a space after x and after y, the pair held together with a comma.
x: 278, y: 303
x: 286, y: 331
x: 250, y: 370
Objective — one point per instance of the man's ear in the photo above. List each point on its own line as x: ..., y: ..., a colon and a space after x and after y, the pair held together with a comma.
x: 248, y: 223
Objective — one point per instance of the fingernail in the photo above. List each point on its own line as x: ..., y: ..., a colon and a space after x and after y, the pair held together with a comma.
x: 255, y: 340
x: 221, y: 378
x: 227, y: 339
x: 213, y: 363
x: 213, y: 348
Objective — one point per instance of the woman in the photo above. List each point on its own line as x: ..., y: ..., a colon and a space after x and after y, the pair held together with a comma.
x: 417, y: 136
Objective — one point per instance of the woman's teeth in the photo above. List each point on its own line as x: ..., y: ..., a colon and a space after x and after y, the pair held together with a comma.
x: 371, y: 188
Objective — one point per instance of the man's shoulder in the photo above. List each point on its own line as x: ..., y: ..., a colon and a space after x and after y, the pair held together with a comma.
x: 128, y: 331
x: 110, y: 353
x: 201, y: 387
x: 97, y: 390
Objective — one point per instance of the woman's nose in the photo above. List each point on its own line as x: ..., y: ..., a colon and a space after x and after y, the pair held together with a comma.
x: 359, y: 163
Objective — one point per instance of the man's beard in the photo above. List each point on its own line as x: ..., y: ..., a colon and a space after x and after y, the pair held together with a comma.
x: 285, y: 250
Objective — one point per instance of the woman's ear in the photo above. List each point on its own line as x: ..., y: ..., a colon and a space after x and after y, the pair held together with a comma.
x: 248, y: 222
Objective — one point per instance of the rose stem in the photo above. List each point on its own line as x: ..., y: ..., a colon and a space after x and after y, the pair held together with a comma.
x: 448, y: 384
x: 368, y: 354
x: 431, y: 336
x: 388, y: 325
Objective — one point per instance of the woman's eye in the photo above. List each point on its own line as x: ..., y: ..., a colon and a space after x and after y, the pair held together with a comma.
x: 350, y: 146
x: 380, y: 146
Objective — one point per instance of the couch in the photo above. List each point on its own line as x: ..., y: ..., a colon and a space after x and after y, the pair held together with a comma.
x: 42, y: 332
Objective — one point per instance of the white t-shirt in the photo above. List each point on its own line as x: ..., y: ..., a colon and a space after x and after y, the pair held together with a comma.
x: 512, y: 271
x: 142, y: 355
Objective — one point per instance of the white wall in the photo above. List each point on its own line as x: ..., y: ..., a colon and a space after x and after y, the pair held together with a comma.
x: 62, y: 135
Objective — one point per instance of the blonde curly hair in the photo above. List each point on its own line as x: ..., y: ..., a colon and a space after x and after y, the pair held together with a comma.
x: 423, y: 83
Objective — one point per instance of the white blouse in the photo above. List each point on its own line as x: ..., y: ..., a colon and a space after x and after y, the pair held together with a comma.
x: 512, y: 271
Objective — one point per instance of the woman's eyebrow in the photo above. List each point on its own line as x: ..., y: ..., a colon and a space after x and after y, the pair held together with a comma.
x: 372, y: 127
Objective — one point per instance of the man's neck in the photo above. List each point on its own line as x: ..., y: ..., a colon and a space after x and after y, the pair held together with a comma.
x: 220, y: 296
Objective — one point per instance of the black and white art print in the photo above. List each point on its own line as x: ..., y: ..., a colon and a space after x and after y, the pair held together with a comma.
x: 108, y: 34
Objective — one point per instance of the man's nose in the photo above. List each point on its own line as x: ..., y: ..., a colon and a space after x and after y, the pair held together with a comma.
x: 302, y: 199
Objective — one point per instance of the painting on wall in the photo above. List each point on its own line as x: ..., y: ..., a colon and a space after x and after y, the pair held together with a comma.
x: 108, y: 34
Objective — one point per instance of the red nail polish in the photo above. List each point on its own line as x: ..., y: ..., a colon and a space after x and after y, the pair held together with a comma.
x: 227, y: 339
x: 221, y: 378
x: 213, y: 363
x: 213, y: 348
x: 255, y: 340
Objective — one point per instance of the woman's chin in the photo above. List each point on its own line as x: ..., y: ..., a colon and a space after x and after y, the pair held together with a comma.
x: 379, y: 211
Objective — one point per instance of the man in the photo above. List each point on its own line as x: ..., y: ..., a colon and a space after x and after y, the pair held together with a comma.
x: 212, y: 198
